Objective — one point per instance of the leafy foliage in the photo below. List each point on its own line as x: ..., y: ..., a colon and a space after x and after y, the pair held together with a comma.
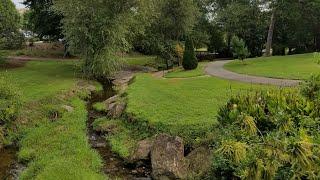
x: 268, y: 135
x: 98, y: 30
x: 9, y: 102
x: 239, y: 48
x: 9, y: 24
x: 311, y: 88
x: 190, y: 61
x: 43, y: 20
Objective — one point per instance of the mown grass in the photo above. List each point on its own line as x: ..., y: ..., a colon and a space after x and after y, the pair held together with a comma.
x: 184, y: 107
x: 140, y: 60
x: 181, y: 73
x: 53, y: 142
x: 290, y: 67
x: 60, y: 149
x: 39, y: 79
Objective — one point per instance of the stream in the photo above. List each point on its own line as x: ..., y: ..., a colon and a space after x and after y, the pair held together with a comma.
x: 8, y: 160
x: 114, y: 166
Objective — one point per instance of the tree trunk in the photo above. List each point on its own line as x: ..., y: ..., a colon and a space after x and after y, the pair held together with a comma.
x: 270, y: 34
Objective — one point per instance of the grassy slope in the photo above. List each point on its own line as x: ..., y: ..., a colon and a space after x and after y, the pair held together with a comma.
x: 40, y: 79
x: 141, y: 60
x: 185, y: 107
x: 291, y: 67
x: 181, y: 73
x: 54, y: 150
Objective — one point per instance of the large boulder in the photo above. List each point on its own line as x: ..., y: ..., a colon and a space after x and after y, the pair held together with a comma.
x: 115, y: 110
x: 143, y: 150
x: 167, y: 158
x: 199, y: 161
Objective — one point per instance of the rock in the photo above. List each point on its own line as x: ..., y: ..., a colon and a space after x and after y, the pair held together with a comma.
x: 68, y: 108
x: 199, y: 161
x: 122, y: 80
x: 167, y: 158
x: 111, y: 100
x: 115, y: 110
x: 142, y: 151
x: 99, y: 145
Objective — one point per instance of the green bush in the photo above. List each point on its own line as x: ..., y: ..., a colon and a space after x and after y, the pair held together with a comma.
x: 190, y: 61
x: 239, y: 48
x: 311, y: 88
x: 13, y: 40
x: 9, y: 108
x: 268, y: 135
x: 9, y: 102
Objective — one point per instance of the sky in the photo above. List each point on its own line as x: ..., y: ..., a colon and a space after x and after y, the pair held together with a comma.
x: 18, y: 3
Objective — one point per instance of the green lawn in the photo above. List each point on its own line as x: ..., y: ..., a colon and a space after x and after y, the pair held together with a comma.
x: 39, y: 79
x: 290, y: 67
x: 140, y: 60
x: 184, y: 107
x: 181, y: 73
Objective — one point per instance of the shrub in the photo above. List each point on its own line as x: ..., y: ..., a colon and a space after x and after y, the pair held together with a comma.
x: 316, y: 57
x: 268, y: 135
x: 13, y: 40
x: 190, y: 61
x: 9, y: 107
x: 179, y: 51
x: 9, y: 102
x: 239, y: 48
x: 311, y: 88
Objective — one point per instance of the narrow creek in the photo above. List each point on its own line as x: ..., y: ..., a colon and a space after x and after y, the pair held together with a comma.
x: 8, y: 160
x: 114, y: 166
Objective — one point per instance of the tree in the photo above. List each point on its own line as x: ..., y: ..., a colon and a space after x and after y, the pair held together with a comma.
x: 171, y: 21
x: 99, y: 30
x: 9, y: 25
x: 239, y: 48
x: 45, y: 22
x: 190, y: 61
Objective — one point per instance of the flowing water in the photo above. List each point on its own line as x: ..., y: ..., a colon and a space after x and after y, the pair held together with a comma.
x: 114, y: 166
x: 7, y: 161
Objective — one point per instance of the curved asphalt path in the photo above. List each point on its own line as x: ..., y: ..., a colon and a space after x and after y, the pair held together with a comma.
x: 216, y: 69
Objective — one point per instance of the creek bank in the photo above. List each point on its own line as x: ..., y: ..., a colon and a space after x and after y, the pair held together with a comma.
x: 114, y: 166
x: 9, y: 166
x: 164, y: 154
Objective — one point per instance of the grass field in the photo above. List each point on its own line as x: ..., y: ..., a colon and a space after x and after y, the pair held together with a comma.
x: 290, y: 67
x: 39, y: 79
x: 181, y: 73
x: 52, y: 139
x: 141, y: 60
x: 184, y: 107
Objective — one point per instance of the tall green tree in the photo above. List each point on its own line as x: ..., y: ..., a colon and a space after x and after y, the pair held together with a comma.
x: 10, y: 37
x: 46, y: 22
x: 99, y: 30
x: 190, y: 61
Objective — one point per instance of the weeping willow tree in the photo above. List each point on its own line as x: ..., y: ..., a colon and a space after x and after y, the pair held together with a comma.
x: 98, y: 31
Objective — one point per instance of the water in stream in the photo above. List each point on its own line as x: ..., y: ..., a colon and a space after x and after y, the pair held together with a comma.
x: 114, y: 166
x: 7, y: 161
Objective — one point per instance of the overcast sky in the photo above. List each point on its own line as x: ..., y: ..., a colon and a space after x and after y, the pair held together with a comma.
x: 18, y: 3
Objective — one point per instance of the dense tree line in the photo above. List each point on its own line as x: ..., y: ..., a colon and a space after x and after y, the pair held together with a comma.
x: 158, y: 27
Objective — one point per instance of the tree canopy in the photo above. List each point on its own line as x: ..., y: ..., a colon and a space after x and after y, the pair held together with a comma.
x: 43, y: 20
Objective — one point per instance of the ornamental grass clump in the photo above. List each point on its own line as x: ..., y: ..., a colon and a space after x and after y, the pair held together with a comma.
x: 268, y: 135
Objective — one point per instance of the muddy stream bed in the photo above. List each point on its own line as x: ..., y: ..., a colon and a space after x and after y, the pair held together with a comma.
x: 8, y: 163
x: 114, y: 166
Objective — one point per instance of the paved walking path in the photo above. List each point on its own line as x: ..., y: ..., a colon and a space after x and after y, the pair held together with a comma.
x: 216, y: 69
